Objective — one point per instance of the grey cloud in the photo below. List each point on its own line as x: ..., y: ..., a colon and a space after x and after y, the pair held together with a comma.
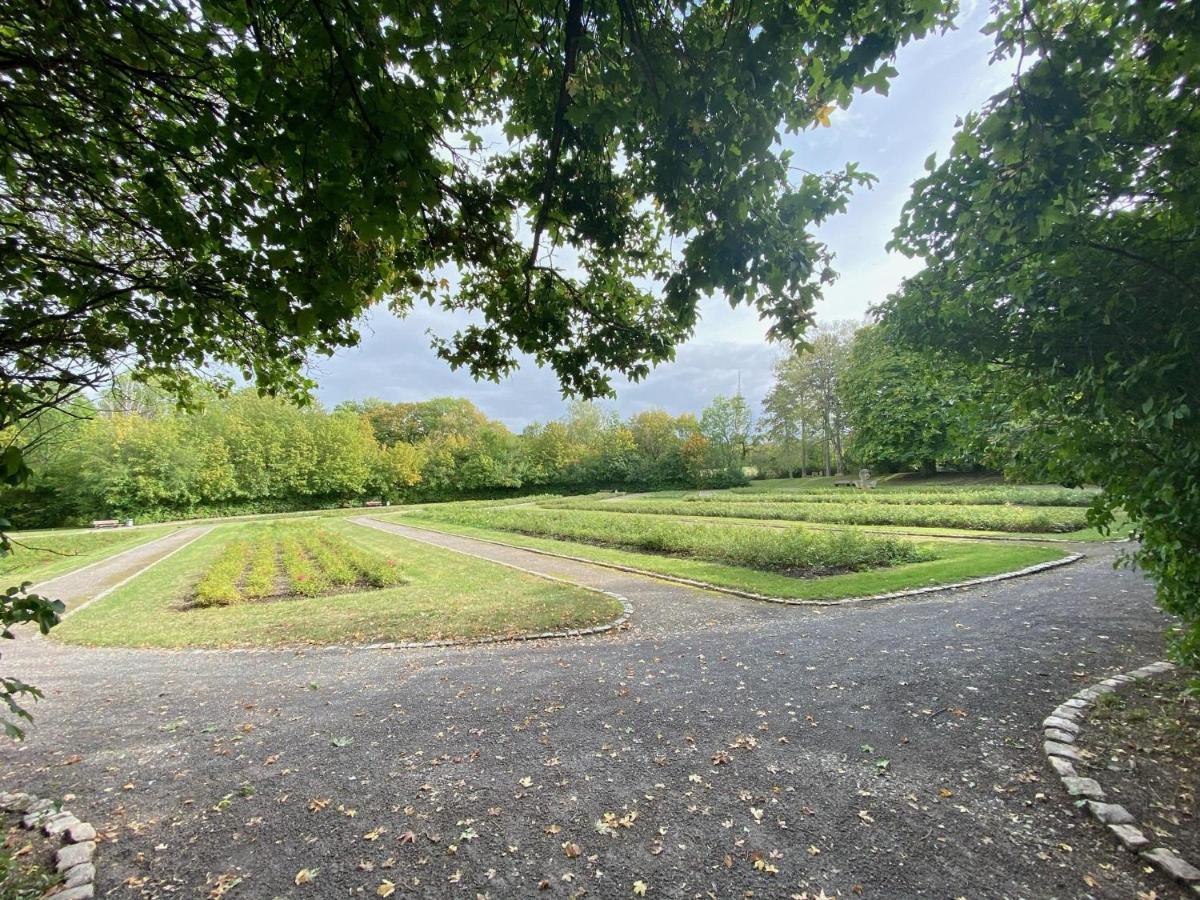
x: 394, y: 362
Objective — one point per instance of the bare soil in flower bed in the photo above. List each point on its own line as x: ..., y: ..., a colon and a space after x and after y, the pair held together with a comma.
x: 284, y: 596
x: 1146, y: 741
x: 26, y: 862
x: 801, y: 572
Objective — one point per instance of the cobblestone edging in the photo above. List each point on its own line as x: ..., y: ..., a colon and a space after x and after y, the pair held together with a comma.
x: 75, y: 859
x: 749, y: 595
x: 1060, y: 731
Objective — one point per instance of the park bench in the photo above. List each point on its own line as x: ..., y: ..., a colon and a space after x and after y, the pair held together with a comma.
x: 846, y: 482
x: 105, y: 523
x: 373, y: 503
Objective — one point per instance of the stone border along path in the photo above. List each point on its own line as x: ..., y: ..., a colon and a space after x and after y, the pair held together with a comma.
x: 74, y: 860
x: 1061, y: 732
x: 749, y: 595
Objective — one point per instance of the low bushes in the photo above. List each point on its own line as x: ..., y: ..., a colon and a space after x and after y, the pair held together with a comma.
x: 791, y: 550
x: 1016, y: 496
x: 975, y: 518
x: 274, y: 561
x: 219, y: 585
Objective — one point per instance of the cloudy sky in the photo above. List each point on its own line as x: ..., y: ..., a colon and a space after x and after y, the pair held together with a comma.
x: 941, y: 77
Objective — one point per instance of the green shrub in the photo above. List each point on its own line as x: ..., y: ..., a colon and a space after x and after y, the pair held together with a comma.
x: 219, y: 586
x: 264, y: 567
x: 305, y: 577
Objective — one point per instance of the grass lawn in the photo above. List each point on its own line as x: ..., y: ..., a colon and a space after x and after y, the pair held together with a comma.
x: 444, y: 595
x: 951, y: 562
x: 44, y: 555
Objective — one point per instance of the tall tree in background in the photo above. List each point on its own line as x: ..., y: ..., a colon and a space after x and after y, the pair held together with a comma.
x: 727, y: 425
x: 787, y: 413
x: 908, y: 409
x: 1062, y: 241
x: 824, y: 360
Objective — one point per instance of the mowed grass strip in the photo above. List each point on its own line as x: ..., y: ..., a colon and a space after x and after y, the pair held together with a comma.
x: 1038, y: 520
x: 1014, y: 496
x: 948, y: 562
x: 40, y: 556
x: 446, y: 596
x: 794, y: 551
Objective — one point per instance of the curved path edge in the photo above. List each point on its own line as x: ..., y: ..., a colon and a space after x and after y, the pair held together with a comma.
x: 1060, y: 730
x: 749, y: 595
x: 74, y: 860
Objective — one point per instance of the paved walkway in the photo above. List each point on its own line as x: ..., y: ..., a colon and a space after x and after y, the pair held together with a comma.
x: 891, y: 750
x: 78, y: 587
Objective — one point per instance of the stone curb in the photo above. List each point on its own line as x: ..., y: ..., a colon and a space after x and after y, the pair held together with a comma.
x: 1060, y: 730
x: 749, y: 595
x: 75, y: 859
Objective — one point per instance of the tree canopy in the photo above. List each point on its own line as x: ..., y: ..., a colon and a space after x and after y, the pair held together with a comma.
x: 1060, y: 241
x: 236, y: 182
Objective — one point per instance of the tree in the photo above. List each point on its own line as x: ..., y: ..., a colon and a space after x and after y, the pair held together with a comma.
x: 727, y: 425
x: 787, y: 412
x: 1060, y: 242
x: 238, y: 181
x: 911, y: 409
x: 821, y: 363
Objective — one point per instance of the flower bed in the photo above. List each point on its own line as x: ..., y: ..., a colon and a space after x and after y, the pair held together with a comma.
x: 275, y: 562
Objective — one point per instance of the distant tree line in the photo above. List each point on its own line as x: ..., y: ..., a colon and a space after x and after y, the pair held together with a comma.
x: 131, y: 453
x: 852, y: 397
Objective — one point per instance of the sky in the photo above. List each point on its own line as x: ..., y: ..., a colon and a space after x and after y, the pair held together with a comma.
x: 941, y: 77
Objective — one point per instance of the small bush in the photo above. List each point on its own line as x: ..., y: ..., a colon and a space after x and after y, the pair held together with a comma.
x: 219, y: 586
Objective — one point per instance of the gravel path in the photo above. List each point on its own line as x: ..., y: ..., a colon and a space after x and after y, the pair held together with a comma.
x: 85, y: 584
x: 890, y: 750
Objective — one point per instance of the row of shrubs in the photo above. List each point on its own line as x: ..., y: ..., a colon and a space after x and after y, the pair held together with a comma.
x: 272, y: 561
x: 1055, y: 519
x: 792, y: 550
x: 1016, y: 496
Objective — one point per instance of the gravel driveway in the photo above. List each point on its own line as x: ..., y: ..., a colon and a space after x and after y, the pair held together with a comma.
x: 719, y: 747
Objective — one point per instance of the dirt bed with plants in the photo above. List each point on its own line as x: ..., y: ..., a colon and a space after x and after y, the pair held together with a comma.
x: 1049, y: 520
x: 1144, y: 743
x: 275, y: 562
x: 795, y: 552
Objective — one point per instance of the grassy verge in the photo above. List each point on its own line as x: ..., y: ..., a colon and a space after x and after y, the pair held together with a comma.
x: 951, y: 562
x: 791, y: 551
x: 1049, y: 519
x: 447, y: 595
x: 46, y: 554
